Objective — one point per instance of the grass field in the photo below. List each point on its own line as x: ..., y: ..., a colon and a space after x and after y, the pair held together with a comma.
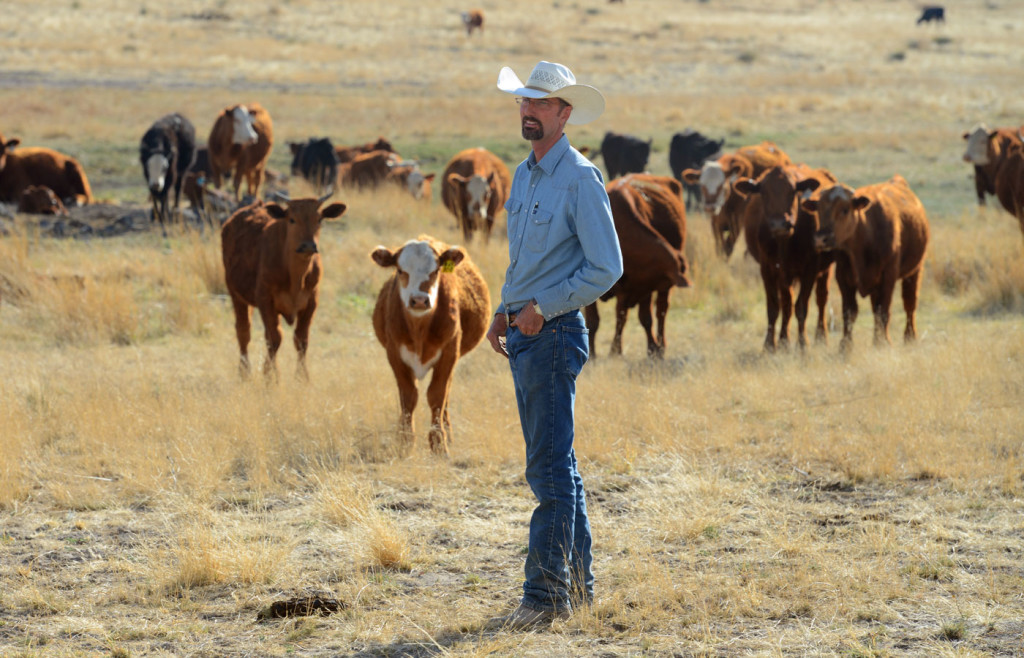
x: 797, y: 504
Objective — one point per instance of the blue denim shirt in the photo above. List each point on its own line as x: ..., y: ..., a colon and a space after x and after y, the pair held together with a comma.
x: 562, y: 246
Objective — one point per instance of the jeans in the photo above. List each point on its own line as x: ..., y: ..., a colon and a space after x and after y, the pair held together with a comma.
x: 544, y: 370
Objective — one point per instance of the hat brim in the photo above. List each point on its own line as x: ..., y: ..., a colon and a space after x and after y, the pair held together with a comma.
x: 587, y: 102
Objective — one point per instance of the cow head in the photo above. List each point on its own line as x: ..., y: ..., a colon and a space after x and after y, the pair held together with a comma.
x: 476, y: 192
x: 157, y: 165
x: 419, y: 265
x: 781, y: 189
x: 5, y: 148
x: 410, y: 178
x: 978, y: 139
x: 303, y: 218
x: 243, y: 131
x: 836, y: 207
x: 41, y: 200
x: 297, y: 149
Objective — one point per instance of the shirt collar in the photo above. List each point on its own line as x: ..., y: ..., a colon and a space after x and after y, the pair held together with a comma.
x: 551, y: 158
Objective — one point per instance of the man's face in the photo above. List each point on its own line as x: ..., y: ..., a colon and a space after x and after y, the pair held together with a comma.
x: 541, y: 116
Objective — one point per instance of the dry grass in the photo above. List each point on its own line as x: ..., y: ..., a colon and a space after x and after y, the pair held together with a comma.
x: 801, y: 504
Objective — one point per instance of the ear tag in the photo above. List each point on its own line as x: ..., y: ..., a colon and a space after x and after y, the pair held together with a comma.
x: 448, y: 267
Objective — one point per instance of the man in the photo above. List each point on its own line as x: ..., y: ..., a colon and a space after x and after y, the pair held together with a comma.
x: 563, y: 255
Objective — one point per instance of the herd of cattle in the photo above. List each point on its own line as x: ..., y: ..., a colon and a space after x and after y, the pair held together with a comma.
x: 800, y: 224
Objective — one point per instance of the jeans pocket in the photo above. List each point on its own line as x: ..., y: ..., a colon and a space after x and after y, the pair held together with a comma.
x: 575, y: 343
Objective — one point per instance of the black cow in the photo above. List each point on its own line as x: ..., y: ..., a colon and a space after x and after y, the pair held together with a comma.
x: 166, y: 152
x: 624, y: 154
x: 316, y: 160
x: 932, y: 13
x: 689, y: 150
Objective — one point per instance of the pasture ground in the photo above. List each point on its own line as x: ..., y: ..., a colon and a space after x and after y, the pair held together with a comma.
x: 805, y: 503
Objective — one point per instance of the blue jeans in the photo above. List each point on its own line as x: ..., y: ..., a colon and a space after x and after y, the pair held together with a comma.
x: 544, y: 371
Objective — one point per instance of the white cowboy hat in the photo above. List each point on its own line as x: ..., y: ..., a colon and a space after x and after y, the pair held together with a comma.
x: 550, y: 80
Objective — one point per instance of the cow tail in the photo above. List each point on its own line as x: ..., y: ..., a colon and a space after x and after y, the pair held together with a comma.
x: 77, y: 180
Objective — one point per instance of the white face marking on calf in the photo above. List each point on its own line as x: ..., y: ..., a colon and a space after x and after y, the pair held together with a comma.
x: 419, y: 368
x: 477, y: 189
x: 415, y: 183
x: 243, y: 132
x: 977, y: 146
x: 156, y: 170
x: 418, y: 262
x: 712, y: 179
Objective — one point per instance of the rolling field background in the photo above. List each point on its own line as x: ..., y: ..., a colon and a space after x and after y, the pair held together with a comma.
x: 743, y: 504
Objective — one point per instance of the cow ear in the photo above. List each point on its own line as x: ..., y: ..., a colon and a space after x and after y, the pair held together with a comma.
x: 810, y: 205
x: 11, y: 143
x: 808, y: 185
x: 276, y: 211
x: 333, y: 211
x: 860, y: 202
x: 383, y: 257
x: 450, y: 258
x: 429, y: 177
x: 747, y: 186
x: 456, y: 180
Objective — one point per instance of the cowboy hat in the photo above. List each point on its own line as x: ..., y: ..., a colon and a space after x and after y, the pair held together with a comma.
x: 550, y: 80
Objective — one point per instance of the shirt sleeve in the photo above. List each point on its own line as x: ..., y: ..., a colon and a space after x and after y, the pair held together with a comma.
x: 602, y: 258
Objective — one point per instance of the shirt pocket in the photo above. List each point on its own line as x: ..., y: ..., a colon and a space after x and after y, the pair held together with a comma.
x: 537, y: 229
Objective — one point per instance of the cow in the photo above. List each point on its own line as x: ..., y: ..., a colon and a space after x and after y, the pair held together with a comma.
x: 780, y: 237
x: 369, y: 170
x: 40, y: 200
x: 931, y: 13
x: 473, y: 20
x: 883, y: 230
x: 624, y: 154
x: 650, y: 221
x: 240, y: 141
x: 349, y: 153
x: 272, y: 262
x: 474, y: 186
x: 35, y: 165
x: 690, y: 150
x: 316, y: 160
x: 412, y: 180
x: 1009, y: 183
x: 986, y: 150
x: 167, y: 151
x: 433, y: 310
x: 722, y: 203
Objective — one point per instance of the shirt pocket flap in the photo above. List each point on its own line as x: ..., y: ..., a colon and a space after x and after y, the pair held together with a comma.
x: 513, y: 206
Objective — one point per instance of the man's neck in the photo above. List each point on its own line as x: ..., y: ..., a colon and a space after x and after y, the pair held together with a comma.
x: 542, y: 146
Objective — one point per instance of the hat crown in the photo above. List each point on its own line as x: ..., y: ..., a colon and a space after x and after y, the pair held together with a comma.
x: 550, y: 77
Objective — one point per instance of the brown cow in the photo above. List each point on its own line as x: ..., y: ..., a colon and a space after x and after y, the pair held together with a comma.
x: 25, y: 166
x: 473, y: 20
x: 369, y: 170
x: 272, y: 262
x: 780, y: 237
x: 432, y: 311
x: 349, y: 153
x: 412, y: 180
x: 883, y: 229
x: 986, y: 149
x: 1009, y: 183
x: 474, y: 186
x: 240, y: 140
x: 40, y: 200
x: 650, y: 220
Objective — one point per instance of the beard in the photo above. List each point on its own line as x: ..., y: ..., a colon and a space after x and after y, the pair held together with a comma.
x: 533, y: 134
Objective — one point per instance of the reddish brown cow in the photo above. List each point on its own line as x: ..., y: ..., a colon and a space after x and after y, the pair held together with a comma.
x: 272, y: 262
x: 349, y: 153
x: 1009, y: 183
x: 780, y: 237
x: 473, y: 20
x: 474, y: 186
x: 986, y: 149
x: 884, y: 231
x: 432, y: 311
x: 368, y: 170
x: 240, y: 140
x: 40, y: 200
x: 650, y: 221
x: 26, y: 166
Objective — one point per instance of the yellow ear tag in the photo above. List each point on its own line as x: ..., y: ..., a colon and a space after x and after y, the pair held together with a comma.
x: 448, y: 267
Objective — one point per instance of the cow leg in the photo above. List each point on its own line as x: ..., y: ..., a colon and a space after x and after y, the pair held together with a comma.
x: 620, y: 323
x: 800, y: 308
x: 643, y: 312
x: 237, y: 179
x: 242, y: 331
x: 786, y: 309
x: 437, y: 398
x: 254, y: 180
x: 911, y: 287
x: 158, y: 215
x: 848, y: 292
x: 301, y: 338
x: 661, y: 312
x: 593, y: 321
x: 881, y: 303
x: 821, y: 297
x: 408, y: 396
x: 272, y: 328
x: 771, y: 297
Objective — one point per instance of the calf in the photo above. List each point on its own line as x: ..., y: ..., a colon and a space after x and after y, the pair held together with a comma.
x: 167, y: 151
x: 316, y: 160
x: 883, y: 230
x: 474, y: 186
x: 690, y: 150
x: 369, y: 170
x: 722, y: 203
x: 780, y: 237
x: 240, y: 141
x: 25, y: 166
x: 272, y: 262
x: 40, y: 200
x: 650, y: 220
x: 433, y: 310
x: 413, y: 181
x: 624, y: 154
x: 473, y: 20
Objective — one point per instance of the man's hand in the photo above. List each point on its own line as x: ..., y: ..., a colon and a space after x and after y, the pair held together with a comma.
x: 496, y: 334
x: 529, y: 322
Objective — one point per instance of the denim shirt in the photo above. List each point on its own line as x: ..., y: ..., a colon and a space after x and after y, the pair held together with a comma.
x: 562, y: 246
